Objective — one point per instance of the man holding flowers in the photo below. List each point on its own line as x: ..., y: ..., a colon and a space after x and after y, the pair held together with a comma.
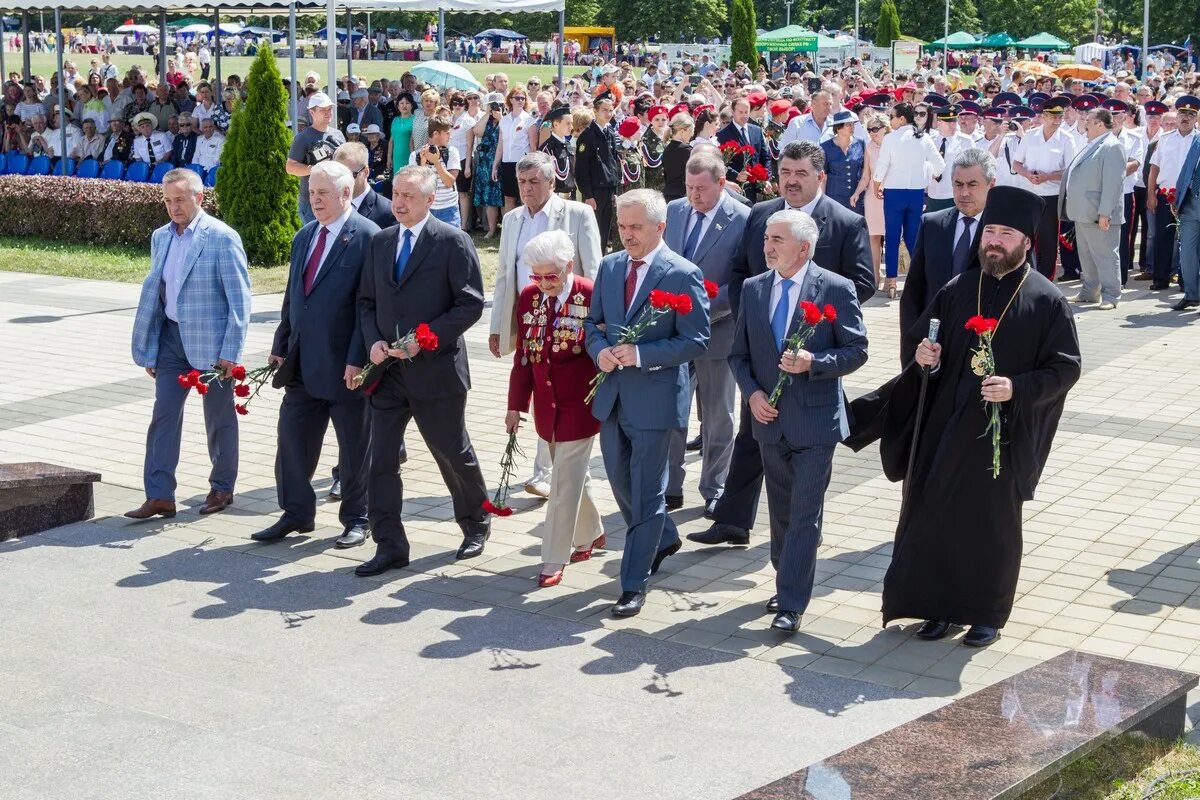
x: 799, y: 330
x: 648, y: 318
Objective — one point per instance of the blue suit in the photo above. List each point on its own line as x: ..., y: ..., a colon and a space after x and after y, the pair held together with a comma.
x: 319, y: 335
x: 797, y: 447
x: 1187, y: 193
x: 639, y: 407
x: 212, y: 313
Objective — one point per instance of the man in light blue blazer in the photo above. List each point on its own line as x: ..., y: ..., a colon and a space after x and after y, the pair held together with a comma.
x: 646, y: 394
x: 192, y: 314
x: 1187, y: 199
x: 707, y: 228
x: 797, y: 435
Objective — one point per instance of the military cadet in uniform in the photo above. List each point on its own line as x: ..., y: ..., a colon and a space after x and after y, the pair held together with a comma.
x: 596, y: 171
x: 555, y: 146
x: 151, y: 146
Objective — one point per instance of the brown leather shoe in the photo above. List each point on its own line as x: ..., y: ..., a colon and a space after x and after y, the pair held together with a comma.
x: 217, y: 501
x: 153, y: 508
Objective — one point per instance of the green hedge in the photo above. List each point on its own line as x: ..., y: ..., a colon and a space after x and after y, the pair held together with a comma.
x: 84, y: 210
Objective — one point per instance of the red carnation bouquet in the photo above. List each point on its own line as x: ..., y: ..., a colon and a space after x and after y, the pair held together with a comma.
x: 758, y: 177
x: 711, y: 289
x: 730, y: 150
x: 983, y: 364
x: 247, y: 383
x: 498, y: 505
x: 1169, y: 195
x: 661, y: 303
x: 812, y: 316
x: 425, y: 338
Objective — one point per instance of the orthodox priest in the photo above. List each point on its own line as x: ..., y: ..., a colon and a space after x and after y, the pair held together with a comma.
x: 957, y: 552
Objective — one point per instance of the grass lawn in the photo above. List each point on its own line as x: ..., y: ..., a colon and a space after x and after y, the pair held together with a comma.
x: 1111, y: 773
x: 131, y: 264
x: 44, y: 64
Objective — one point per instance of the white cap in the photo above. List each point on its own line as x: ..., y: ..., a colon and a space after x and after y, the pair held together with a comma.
x: 343, y: 95
x: 358, y: 94
x: 372, y: 128
x: 494, y: 97
x: 319, y: 100
x: 312, y: 74
x: 353, y: 128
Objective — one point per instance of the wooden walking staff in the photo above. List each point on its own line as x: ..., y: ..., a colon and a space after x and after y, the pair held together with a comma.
x: 934, y: 326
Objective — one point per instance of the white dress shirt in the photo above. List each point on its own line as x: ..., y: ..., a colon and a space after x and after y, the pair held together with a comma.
x: 943, y: 187
x: 159, y: 141
x: 416, y: 234
x: 1168, y: 156
x: 334, y: 229
x: 514, y: 136
x: 793, y: 294
x: 356, y: 202
x: 960, y: 226
x: 906, y: 161
x: 178, y: 246
x: 208, y: 151
x: 531, y: 226
x: 1039, y: 154
x: 704, y: 221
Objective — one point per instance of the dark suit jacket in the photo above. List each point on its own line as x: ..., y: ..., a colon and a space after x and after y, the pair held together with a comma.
x: 183, y: 149
x: 842, y: 247
x: 378, y: 209
x: 319, y: 334
x: 596, y: 160
x: 739, y: 162
x: 442, y: 285
x: 932, y: 265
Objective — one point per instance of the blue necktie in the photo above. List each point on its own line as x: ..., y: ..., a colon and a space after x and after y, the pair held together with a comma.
x: 689, y: 247
x: 779, y: 320
x: 405, y: 252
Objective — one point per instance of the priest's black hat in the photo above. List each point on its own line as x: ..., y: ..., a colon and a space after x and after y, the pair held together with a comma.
x: 1013, y: 207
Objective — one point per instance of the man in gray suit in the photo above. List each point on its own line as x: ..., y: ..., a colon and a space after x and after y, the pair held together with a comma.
x: 707, y: 228
x: 797, y: 435
x: 1092, y: 197
x: 363, y: 112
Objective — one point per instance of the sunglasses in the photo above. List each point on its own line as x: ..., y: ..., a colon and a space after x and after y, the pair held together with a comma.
x: 535, y: 278
x: 456, y: 103
x: 875, y: 129
x: 921, y: 114
x: 519, y: 97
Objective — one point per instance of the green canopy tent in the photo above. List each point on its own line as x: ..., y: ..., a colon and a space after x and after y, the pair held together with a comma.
x: 959, y: 40
x: 1042, y: 41
x: 183, y: 23
x: 997, y: 40
x: 795, y: 39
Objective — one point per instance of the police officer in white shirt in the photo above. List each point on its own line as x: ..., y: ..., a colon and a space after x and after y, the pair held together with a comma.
x: 1165, y: 165
x: 969, y: 113
x: 1041, y: 159
x: 949, y: 142
x: 209, y: 145
x: 151, y: 146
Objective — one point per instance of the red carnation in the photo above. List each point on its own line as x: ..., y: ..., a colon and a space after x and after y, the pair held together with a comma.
x: 242, y: 390
x: 830, y: 312
x: 757, y: 173
x: 201, y: 389
x: 1066, y: 243
x: 499, y: 511
x: 980, y: 325
x: 682, y: 303
x: 425, y: 337
x: 812, y: 314
x: 748, y: 149
x: 184, y: 381
x: 710, y: 289
x: 660, y: 299
x: 241, y: 409
x: 238, y: 372
x: 193, y: 377
x: 729, y: 147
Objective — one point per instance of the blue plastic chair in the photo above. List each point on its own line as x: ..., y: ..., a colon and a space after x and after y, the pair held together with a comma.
x: 88, y: 168
x: 40, y: 165
x: 112, y: 170
x: 210, y: 178
x: 160, y: 171
x: 3, y: 163
x: 57, y: 169
x: 196, y: 168
x: 17, y: 164
x: 138, y: 171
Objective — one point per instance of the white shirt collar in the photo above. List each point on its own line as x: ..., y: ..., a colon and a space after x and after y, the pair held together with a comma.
x: 191, y: 228
x: 653, y: 254
x: 357, y: 201
x: 335, y: 227
x: 416, y: 230
x: 541, y: 212
x: 796, y: 279
x: 808, y: 207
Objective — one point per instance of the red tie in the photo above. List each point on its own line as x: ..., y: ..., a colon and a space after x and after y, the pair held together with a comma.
x: 314, y: 261
x: 631, y: 281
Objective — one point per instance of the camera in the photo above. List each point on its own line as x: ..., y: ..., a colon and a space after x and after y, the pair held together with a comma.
x: 814, y: 85
x: 1013, y: 126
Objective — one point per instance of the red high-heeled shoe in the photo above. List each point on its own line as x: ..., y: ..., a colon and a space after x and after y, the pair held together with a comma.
x: 552, y: 579
x: 583, y: 555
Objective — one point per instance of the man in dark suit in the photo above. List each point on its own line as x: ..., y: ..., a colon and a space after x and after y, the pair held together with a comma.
x: 798, y: 433
x: 319, y: 351
x: 948, y: 241
x: 365, y: 200
x: 742, y: 131
x: 596, y: 166
x: 420, y: 270
x: 842, y: 247
x: 183, y: 146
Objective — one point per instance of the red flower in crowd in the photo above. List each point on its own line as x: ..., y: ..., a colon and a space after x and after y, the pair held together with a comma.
x: 192, y: 378
x: 426, y: 339
x: 812, y: 314
x: 201, y: 388
x: 499, y: 511
x: 710, y: 289
x: 981, y: 325
x: 660, y: 299
x: 830, y: 313
x: 730, y: 147
x: 184, y: 381
x: 241, y: 390
x: 1067, y: 244
x: 1170, y: 195
x: 682, y: 303
x: 757, y: 173
x: 241, y: 409
x: 238, y: 373
x: 747, y: 150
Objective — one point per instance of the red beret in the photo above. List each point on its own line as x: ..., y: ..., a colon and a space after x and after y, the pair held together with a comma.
x: 780, y: 106
x: 679, y: 108
x: 794, y: 112
x: 629, y: 127
x: 654, y: 111
x: 703, y: 107
x: 757, y: 99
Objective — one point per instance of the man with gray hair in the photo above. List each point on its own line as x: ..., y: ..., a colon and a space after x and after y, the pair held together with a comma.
x: 319, y: 350
x: 645, y: 394
x: 952, y: 232
x: 707, y: 227
x: 365, y: 200
x: 541, y: 210
x: 797, y: 428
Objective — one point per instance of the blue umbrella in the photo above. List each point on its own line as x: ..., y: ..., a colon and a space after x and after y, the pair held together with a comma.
x: 444, y: 74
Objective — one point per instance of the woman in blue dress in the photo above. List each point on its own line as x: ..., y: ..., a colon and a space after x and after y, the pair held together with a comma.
x: 844, y: 157
x: 486, y: 192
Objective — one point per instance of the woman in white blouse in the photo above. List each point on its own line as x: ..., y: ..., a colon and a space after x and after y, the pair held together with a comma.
x: 907, y: 161
x: 512, y: 146
x: 205, y: 104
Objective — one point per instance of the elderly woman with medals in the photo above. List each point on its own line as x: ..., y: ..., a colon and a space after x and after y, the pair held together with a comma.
x: 654, y: 142
x: 552, y: 367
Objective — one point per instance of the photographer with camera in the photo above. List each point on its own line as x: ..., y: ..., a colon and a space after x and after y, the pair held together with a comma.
x: 15, y: 138
x: 444, y: 160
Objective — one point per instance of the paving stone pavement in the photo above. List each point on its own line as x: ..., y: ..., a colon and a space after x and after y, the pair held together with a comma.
x: 1111, y: 560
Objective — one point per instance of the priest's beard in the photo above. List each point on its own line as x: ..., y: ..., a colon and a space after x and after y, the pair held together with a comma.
x: 998, y: 262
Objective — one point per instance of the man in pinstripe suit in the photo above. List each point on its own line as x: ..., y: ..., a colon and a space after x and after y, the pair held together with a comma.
x: 797, y: 435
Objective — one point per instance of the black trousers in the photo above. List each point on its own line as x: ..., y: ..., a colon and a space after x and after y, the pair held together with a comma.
x: 1142, y: 224
x: 743, y: 485
x: 204, y: 71
x: 303, y: 420
x: 1045, y: 249
x: 605, y: 214
x: 1164, y: 243
x: 1127, y: 238
x: 442, y: 423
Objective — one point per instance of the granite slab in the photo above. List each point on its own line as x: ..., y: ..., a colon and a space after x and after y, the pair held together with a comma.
x: 35, y: 496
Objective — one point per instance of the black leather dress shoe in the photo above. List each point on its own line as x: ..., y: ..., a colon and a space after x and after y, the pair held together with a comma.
x: 696, y: 444
x: 629, y: 604
x: 1185, y: 304
x: 335, y: 490
x: 380, y: 564
x: 352, y: 537
x: 1158, y: 286
x: 472, y: 545
x: 933, y: 629
x: 788, y: 621
x: 773, y: 605
x: 662, y: 555
x: 721, y: 533
x: 980, y: 636
x: 403, y: 455
x: 279, y: 530
x: 710, y: 508
x: 674, y: 502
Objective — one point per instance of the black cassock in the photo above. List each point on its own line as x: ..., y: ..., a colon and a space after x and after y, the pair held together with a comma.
x: 957, y: 553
